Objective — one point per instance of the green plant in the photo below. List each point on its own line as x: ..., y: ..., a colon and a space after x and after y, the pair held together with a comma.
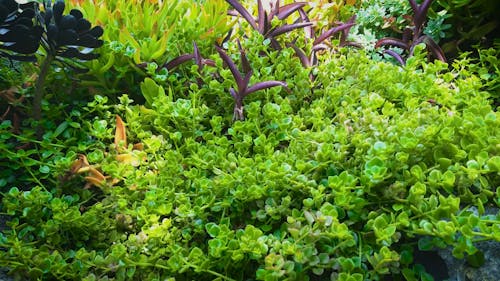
x: 342, y: 185
x: 343, y: 177
x: 151, y: 32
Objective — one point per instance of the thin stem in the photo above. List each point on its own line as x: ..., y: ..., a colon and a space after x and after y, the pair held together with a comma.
x: 37, y: 101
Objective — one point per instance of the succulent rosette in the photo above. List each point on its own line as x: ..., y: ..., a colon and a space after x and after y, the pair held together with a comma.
x: 71, y: 35
x: 19, y: 34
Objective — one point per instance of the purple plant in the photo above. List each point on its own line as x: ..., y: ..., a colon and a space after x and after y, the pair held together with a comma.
x: 413, y: 36
x: 311, y: 60
x: 243, y: 81
x: 263, y: 22
x: 200, y: 61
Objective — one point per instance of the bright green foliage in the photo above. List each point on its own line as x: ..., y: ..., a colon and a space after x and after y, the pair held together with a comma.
x: 148, y: 32
x: 341, y: 178
x: 486, y: 67
x: 336, y: 182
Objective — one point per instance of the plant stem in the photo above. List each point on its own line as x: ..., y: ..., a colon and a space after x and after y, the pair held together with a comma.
x: 37, y: 101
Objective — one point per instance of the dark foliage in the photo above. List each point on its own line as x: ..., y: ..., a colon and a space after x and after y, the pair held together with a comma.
x: 475, y: 22
x: 25, y: 28
x: 20, y: 36
x: 68, y: 36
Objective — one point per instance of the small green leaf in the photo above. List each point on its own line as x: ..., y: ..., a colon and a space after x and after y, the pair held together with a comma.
x: 494, y: 164
x: 212, y: 229
x: 476, y: 260
x: 44, y: 169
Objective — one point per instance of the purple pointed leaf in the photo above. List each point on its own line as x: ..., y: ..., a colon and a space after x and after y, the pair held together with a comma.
x: 243, y: 12
x: 286, y: 10
x: 233, y: 93
x: 345, y: 32
x: 233, y: 13
x: 308, y: 29
x: 234, y: 70
x: 434, y: 48
x: 244, y: 60
x: 352, y: 19
x: 392, y: 42
x: 197, y: 56
x: 424, y: 7
x: 275, y: 9
x: 397, y: 56
x: 314, y: 60
x: 332, y: 31
x: 414, y: 6
x: 274, y: 43
x: 208, y: 62
x: 287, y: 28
x: 177, y: 61
x: 228, y: 36
x: 319, y: 47
x: 416, y: 42
x: 302, y: 56
x: 243, y: 86
x: 351, y: 44
x: 420, y: 17
x: 407, y: 34
x: 267, y: 25
x: 264, y: 85
x: 261, y: 17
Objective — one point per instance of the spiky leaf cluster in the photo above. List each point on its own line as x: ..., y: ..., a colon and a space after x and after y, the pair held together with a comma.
x: 71, y: 35
x: 24, y: 27
x: 19, y: 34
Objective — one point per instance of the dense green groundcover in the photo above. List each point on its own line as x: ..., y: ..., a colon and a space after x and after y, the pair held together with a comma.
x: 343, y: 175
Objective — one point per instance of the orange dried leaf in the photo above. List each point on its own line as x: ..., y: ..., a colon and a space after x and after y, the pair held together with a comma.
x: 115, y: 181
x: 95, y: 181
x: 120, y: 134
x: 96, y: 174
x: 129, y: 158
x: 78, y: 164
x: 138, y: 146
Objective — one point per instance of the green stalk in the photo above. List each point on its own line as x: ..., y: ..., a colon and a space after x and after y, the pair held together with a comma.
x: 37, y: 101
